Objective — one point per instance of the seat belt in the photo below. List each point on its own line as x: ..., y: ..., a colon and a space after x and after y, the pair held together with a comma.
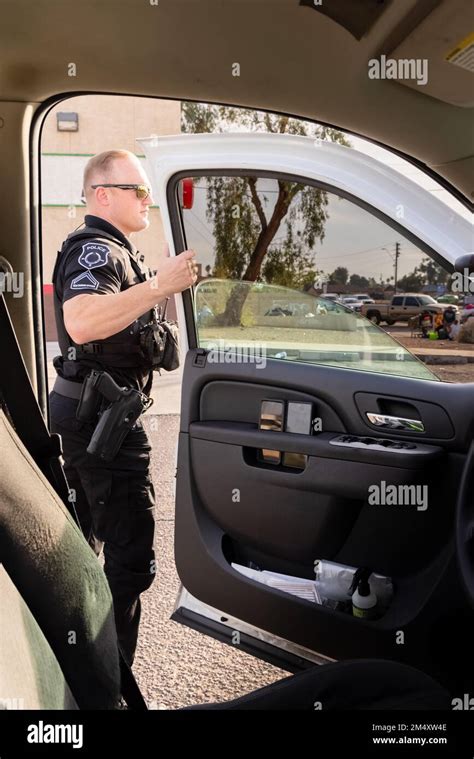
x: 24, y: 413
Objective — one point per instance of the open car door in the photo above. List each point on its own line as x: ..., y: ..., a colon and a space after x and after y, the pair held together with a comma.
x: 308, y: 434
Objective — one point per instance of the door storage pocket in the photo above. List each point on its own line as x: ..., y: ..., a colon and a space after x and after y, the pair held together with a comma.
x: 331, y: 587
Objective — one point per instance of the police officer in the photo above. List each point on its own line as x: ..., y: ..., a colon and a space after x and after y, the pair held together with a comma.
x: 103, y: 296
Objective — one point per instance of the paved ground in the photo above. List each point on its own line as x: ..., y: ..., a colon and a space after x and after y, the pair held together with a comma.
x: 455, y: 373
x: 176, y: 666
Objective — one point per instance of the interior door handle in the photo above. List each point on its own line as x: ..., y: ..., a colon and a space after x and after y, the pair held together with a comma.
x: 395, y: 422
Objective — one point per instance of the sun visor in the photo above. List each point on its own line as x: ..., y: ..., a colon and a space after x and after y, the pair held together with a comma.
x: 357, y: 16
x: 445, y: 47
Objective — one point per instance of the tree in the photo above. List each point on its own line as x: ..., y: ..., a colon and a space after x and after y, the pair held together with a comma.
x: 358, y: 281
x: 411, y: 282
x: 247, y: 247
x: 427, y: 273
x: 433, y: 273
x: 339, y: 276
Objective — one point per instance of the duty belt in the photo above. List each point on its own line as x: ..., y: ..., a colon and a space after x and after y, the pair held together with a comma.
x: 67, y: 388
x: 104, y: 348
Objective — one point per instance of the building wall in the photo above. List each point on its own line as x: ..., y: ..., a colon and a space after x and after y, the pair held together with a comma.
x: 105, y: 122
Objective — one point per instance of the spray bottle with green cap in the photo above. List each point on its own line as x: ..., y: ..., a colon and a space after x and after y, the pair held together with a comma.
x: 364, y: 600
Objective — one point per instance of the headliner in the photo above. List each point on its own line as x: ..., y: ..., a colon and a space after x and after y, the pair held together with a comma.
x: 294, y: 59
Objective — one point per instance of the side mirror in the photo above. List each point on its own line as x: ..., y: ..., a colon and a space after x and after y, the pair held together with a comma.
x: 465, y: 264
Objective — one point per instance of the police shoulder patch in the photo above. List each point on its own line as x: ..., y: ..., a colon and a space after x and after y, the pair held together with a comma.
x: 93, y: 255
x: 85, y: 281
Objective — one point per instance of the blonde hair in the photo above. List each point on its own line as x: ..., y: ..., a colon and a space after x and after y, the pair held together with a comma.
x: 99, y: 167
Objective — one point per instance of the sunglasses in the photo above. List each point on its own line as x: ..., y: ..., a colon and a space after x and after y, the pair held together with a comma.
x: 141, y: 190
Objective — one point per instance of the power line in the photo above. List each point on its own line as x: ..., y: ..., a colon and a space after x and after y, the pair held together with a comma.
x: 358, y: 252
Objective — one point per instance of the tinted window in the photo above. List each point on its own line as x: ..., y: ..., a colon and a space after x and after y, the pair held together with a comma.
x: 270, y: 249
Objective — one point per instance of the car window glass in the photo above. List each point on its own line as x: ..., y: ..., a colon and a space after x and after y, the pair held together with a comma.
x: 277, y: 259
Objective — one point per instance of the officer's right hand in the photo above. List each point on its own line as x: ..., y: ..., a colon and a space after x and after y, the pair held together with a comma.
x: 177, y: 273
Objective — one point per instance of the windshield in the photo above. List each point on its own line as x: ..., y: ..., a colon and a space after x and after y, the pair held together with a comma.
x: 426, y: 300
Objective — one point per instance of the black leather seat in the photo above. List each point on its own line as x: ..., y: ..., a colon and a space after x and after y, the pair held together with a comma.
x: 347, y: 685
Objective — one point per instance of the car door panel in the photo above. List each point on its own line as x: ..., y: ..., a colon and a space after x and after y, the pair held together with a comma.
x: 284, y: 520
x: 232, y: 508
x: 301, y: 517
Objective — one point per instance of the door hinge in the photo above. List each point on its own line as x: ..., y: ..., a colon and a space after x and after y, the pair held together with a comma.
x: 200, y: 358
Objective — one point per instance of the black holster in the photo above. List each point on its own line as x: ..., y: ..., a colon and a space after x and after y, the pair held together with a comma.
x: 123, y: 406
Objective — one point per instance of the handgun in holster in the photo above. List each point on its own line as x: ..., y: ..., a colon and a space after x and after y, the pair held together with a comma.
x: 123, y: 406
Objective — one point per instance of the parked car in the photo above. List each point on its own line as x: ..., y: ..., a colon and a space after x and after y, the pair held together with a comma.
x: 450, y: 299
x: 402, y: 308
x: 352, y: 303
x: 279, y: 311
x: 364, y: 298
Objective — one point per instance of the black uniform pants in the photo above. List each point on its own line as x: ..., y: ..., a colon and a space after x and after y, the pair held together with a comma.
x: 115, y: 504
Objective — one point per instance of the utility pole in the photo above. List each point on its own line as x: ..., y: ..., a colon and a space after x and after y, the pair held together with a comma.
x: 397, y: 254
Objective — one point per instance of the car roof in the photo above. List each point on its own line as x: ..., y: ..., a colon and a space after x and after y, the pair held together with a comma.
x: 314, y: 63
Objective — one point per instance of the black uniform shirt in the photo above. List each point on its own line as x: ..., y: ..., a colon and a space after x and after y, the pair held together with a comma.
x: 99, y: 266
